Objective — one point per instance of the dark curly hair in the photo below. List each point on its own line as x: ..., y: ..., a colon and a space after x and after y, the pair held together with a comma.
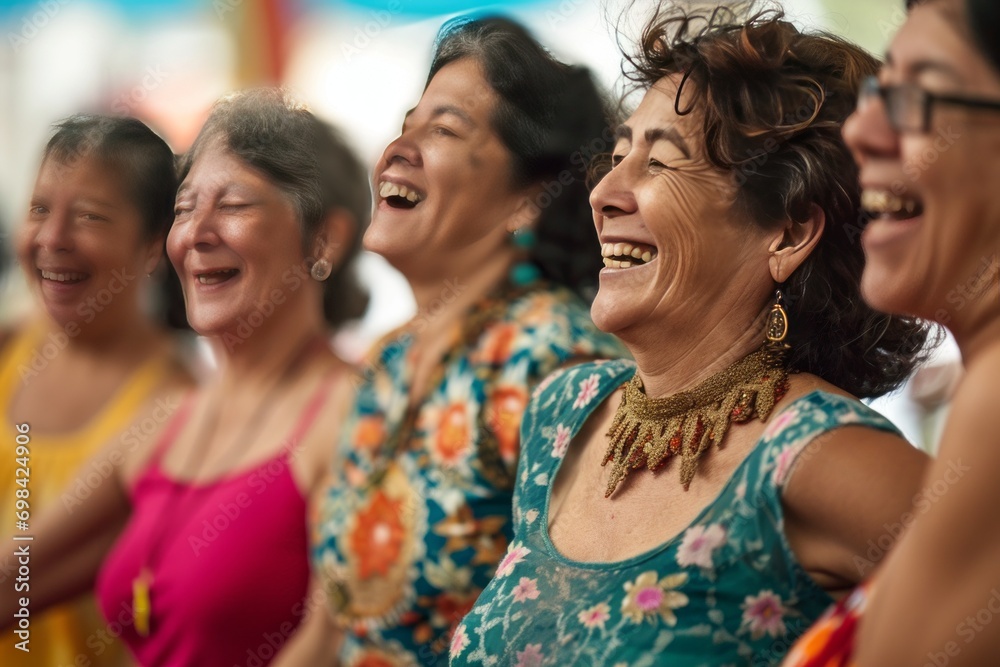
x: 553, y: 120
x: 311, y: 163
x: 772, y: 100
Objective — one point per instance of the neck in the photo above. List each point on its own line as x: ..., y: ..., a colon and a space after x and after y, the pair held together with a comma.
x: 254, y: 361
x: 974, y: 341
x: 670, y: 366
x: 100, y: 338
x: 440, y: 301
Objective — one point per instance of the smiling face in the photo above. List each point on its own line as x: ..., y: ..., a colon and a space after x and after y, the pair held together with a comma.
x: 671, y: 243
x: 937, y: 227
x: 443, y: 192
x: 235, y: 241
x: 82, y: 247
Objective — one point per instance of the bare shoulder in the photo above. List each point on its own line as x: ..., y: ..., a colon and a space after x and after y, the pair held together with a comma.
x: 316, y: 454
x: 844, y: 488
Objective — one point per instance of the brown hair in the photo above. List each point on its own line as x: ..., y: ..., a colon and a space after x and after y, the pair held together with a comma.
x: 772, y: 100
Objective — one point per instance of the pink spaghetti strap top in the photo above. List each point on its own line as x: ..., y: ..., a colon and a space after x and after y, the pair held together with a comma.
x: 231, y: 577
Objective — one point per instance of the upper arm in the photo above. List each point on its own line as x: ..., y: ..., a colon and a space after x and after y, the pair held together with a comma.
x: 848, y: 500
x: 941, y: 584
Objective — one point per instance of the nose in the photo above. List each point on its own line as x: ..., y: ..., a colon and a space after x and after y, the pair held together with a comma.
x: 195, y: 230
x: 55, y: 233
x: 868, y: 132
x: 614, y: 196
x: 402, y: 150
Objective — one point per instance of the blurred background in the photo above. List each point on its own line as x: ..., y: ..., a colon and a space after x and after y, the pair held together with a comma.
x: 358, y: 63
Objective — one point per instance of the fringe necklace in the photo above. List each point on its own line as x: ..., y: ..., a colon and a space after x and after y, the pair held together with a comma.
x: 648, y: 432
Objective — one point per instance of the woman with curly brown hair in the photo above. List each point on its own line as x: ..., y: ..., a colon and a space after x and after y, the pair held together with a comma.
x: 729, y: 230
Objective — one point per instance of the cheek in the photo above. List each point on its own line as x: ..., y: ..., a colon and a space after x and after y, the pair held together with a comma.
x: 175, y: 250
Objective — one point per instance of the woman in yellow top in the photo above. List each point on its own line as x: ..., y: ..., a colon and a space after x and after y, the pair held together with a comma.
x: 92, y: 367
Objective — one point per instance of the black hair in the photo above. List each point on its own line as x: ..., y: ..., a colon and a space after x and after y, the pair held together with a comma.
x: 984, y: 20
x: 552, y: 119
x: 311, y: 163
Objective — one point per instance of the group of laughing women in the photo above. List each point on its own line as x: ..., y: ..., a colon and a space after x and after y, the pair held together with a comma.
x: 623, y: 427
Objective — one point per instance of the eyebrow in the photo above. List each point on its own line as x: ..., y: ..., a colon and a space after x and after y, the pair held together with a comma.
x: 655, y: 134
x: 98, y: 202
x: 445, y: 109
x: 913, y: 70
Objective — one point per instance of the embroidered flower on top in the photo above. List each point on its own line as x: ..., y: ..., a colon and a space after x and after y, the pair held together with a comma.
x: 588, y: 390
x: 648, y: 597
x: 698, y: 545
x: 514, y: 556
x: 763, y: 614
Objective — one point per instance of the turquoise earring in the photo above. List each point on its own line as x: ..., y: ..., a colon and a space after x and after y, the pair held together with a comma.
x: 524, y: 272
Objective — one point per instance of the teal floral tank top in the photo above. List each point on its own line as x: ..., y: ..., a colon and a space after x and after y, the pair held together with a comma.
x: 725, y: 591
x: 417, y: 513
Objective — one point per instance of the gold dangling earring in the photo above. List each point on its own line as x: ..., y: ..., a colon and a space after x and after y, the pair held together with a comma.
x: 777, y: 322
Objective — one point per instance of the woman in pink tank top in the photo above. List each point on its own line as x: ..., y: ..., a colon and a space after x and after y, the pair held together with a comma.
x: 210, y: 568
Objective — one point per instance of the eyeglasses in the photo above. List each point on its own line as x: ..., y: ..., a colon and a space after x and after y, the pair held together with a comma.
x: 909, y: 107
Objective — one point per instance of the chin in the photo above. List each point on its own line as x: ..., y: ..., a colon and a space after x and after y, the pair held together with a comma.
x: 608, y: 315
x: 892, y: 292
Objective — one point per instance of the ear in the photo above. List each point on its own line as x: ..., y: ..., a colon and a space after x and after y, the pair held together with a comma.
x: 154, y: 253
x: 795, y: 243
x: 527, y: 212
x: 334, y: 236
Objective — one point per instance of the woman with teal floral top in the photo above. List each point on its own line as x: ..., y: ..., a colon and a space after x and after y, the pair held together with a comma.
x: 417, y: 513
x: 704, y: 504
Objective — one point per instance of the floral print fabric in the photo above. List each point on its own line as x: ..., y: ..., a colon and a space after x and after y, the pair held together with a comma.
x: 830, y: 642
x: 418, y: 510
x: 725, y: 591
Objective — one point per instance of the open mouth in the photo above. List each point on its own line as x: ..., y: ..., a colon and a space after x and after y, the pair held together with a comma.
x: 627, y: 255
x: 216, y: 277
x: 885, y: 205
x: 399, y: 196
x: 63, y: 277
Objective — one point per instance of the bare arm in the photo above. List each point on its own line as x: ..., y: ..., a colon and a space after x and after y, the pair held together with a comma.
x: 71, y: 539
x: 315, y: 642
x: 936, y: 596
x: 848, y: 500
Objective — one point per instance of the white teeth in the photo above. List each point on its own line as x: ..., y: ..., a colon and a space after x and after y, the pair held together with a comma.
x: 62, y: 277
x: 636, y: 252
x: 387, y: 189
x: 646, y: 256
x: 619, y: 248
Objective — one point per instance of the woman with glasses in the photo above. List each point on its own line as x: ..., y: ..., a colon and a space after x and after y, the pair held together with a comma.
x: 702, y: 505
x: 926, y: 136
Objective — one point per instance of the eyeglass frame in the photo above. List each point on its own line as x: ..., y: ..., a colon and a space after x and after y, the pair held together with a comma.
x: 870, y: 87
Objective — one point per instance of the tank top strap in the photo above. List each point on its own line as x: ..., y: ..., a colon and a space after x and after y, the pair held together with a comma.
x: 308, y: 416
x: 172, y: 430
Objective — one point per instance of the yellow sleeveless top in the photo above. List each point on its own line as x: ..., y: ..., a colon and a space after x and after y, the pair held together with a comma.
x: 63, y: 634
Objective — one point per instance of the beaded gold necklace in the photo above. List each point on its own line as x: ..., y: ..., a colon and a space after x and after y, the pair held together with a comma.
x: 648, y: 432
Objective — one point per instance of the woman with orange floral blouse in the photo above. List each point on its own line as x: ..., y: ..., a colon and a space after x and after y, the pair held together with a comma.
x: 482, y: 204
